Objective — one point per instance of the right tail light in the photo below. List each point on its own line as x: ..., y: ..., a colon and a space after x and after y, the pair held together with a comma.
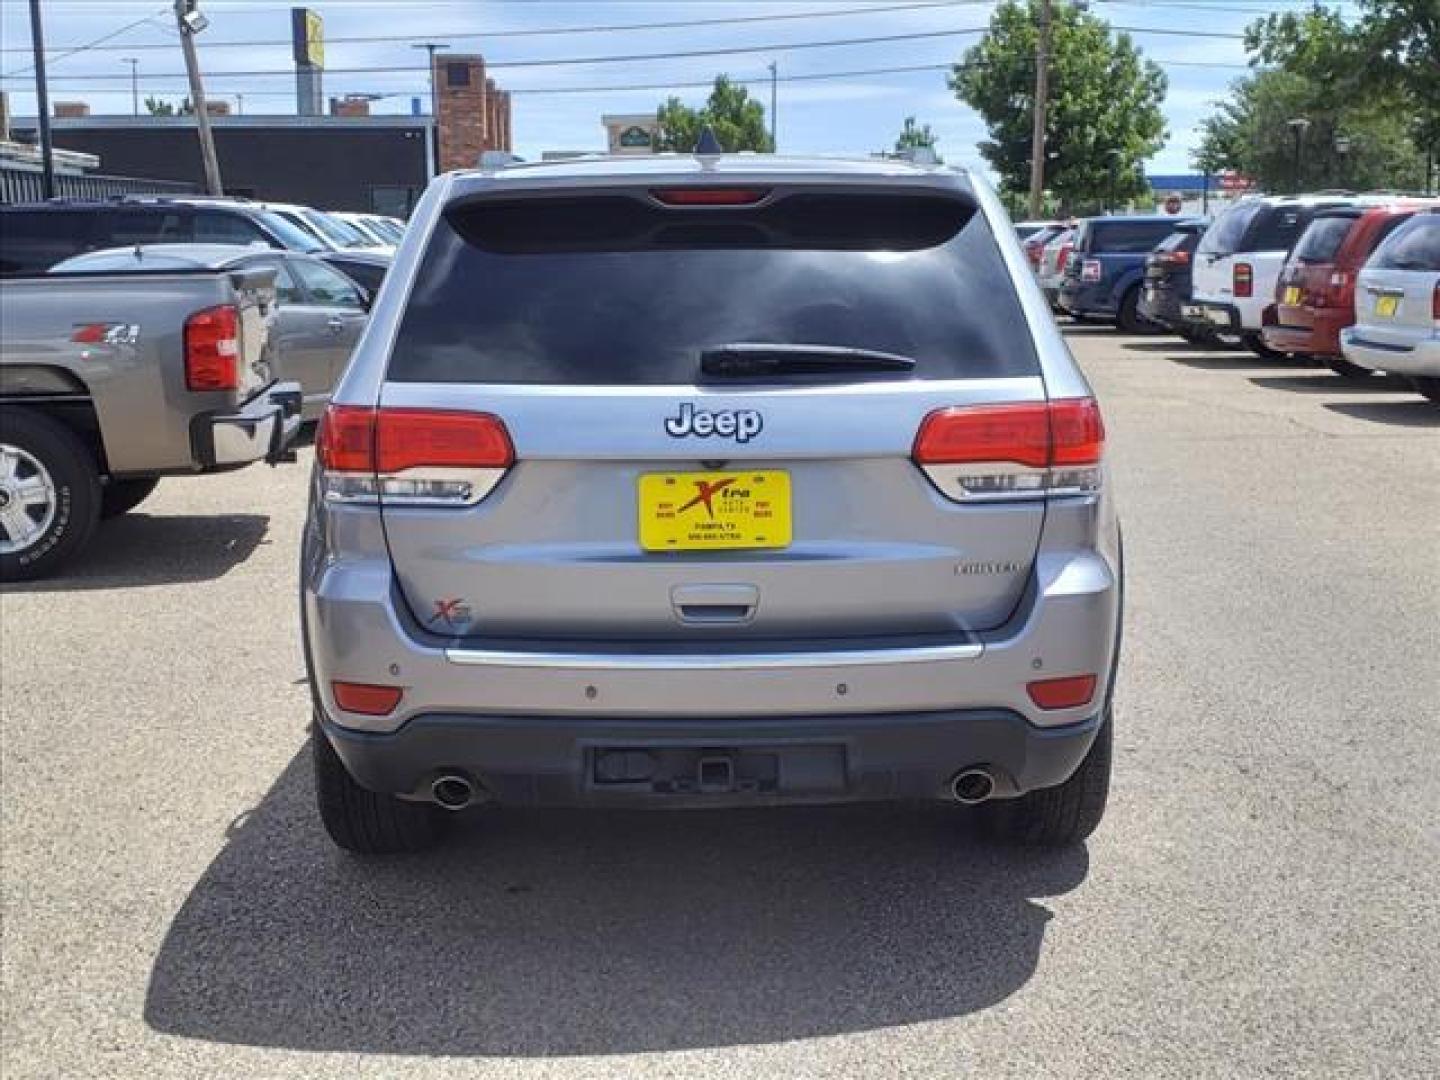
x: 212, y: 349
x: 411, y: 457
x: 1243, y: 279
x: 993, y: 453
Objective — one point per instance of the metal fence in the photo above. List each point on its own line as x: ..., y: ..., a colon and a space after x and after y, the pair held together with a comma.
x: 27, y: 185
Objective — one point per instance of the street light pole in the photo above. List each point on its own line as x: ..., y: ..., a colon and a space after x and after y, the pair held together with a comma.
x: 1042, y: 94
x: 42, y: 103
x: 1298, y: 127
x: 774, y: 114
x: 134, y: 63
x: 431, y: 48
x: 1342, y: 148
x: 190, y: 22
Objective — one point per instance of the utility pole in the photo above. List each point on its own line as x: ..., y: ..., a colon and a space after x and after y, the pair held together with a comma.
x: 431, y: 48
x: 190, y: 23
x: 1042, y: 96
x: 774, y: 79
x: 134, y: 63
x: 42, y: 102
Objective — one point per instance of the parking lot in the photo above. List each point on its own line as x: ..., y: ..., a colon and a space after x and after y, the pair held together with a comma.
x: 1261, y: 900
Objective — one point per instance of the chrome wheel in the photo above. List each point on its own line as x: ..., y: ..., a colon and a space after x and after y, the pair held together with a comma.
x: 27, y: 499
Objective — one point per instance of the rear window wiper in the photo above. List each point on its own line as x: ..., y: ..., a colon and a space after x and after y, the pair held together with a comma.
x: 745, y: 360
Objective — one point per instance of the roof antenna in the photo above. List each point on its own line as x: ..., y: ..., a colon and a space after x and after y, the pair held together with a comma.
x: 708, y: 145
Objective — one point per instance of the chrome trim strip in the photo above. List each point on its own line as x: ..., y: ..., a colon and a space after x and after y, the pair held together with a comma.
x: 929, y: 654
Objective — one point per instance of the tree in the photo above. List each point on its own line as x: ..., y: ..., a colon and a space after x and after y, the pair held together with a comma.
x: 1250, y: 133
x: 916, y: 136
x: 160, y: 107
x: 1392, y: 53
x: 1103, y: 118
x: 738, y: 122
x: 1370, y: 85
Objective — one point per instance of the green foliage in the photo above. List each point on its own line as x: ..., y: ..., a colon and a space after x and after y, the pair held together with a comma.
x: 915, y: 136
x: 160, y: 107
x: 738, y: 122
x: 1374, y: 82
x: 1251, y: 134
x: 1103, y: 118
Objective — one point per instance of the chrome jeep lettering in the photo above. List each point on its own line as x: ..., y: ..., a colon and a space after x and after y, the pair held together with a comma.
x: 742, y: 425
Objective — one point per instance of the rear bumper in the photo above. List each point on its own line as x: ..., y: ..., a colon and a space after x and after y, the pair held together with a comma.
x: 746, y: 761
x: 1224, y: 318
x: 262, y: 429
x: 1418, y: 356
x: 1087, y: 299
x: 1320, y: 338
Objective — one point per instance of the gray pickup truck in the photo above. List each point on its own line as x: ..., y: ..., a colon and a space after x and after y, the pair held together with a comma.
x: 110, y: 381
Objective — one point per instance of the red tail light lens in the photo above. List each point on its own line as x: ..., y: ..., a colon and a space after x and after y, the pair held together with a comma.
x: 1018, y: 433
x: 431, y: 457
x: 1176, y: 258
x: 1064, y: 257
x: 1077, y: 432
x: 1068, y: 693
x: 1243, y: 279
x: 1435, y: 303
x: 709, y: 196
x: 366, y: 698
x: 212, y: 349
x: 426, y: 438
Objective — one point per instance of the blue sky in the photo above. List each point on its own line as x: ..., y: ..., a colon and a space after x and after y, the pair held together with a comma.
x: 854, y: 114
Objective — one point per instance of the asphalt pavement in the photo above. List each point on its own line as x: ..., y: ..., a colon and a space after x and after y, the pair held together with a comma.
x: 1263, y: 899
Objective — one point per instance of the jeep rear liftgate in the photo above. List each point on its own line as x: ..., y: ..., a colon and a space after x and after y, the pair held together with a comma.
x: 757, y: 414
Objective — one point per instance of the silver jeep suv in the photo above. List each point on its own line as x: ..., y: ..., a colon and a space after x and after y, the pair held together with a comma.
x: 710, y: 481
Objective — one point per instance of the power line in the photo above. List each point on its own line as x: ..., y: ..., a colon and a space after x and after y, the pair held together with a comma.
x: 641, y: 57
x: 372, y: 39
x: 98, y: 43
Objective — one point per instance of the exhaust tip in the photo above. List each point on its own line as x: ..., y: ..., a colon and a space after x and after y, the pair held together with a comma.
x: 972, y: 786
x: 453, y: 791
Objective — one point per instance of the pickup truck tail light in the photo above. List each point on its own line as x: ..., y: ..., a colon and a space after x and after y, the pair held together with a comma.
x: 1243, y: 279
x: 1435, y: 303
x: 1063, y: 257
x: 1090, y: 270
x: 411, y: 457
x: 212, y: 349
x: 1002, y: 453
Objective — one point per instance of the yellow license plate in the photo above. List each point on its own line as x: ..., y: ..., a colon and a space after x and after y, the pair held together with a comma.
x: 714, y: 511
x: 1292, y: 295
x: 1386, y: 306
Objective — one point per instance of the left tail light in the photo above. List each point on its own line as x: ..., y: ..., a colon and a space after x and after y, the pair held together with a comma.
x: 212, y: 349
x: 993, y: 453
x: 1242, y: 279
x: 1063, y: 258
x: 411, y: 457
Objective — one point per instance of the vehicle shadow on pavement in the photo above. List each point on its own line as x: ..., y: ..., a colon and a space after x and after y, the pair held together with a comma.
x: 1417, y: 413
x: 140, y: 549
x: 1235, y: 361
x: 1328, y: 383
x: 535, y: 933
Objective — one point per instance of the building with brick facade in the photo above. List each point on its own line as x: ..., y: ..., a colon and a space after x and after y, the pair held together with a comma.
x: 472, y: 113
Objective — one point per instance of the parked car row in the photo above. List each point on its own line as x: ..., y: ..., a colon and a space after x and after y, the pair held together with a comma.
x: 1352, y: 281
x: 141, y: 338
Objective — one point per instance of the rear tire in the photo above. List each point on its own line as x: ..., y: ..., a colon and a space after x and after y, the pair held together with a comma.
x: 121, y: 496
x: 1428, y: 386
x: 1129, y: 319
x: 49, y: 476
x: 368, y: 822
x: 1062, y: 815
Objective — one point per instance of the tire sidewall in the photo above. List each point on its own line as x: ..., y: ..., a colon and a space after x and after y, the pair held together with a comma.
x: 77, y: 493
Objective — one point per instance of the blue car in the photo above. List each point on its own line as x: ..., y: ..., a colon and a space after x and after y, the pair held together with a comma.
x: 1106, y: 271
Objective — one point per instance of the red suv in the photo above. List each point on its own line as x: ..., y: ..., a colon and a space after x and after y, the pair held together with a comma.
x: 1315, y: 294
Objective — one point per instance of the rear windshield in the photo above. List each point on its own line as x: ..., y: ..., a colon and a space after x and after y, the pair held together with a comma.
x: 1276, y: 228
x: 1323, y: 238
x: 1223, y: 237
x: 612, y: 290
x: 32, y: 241
x: 1413, y: 246
x: 1125, y: 237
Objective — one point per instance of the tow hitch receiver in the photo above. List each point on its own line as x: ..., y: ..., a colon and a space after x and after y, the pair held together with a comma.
x: 761, y: 770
